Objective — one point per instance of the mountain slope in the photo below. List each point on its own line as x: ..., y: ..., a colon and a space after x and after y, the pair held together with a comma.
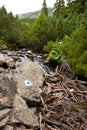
x: 33, y: 14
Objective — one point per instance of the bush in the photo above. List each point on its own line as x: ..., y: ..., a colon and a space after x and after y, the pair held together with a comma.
x: 55, y: 53
x: 75, y: 49
x: 2, y: 42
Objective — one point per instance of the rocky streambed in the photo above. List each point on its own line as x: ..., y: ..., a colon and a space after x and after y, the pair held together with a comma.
x: 34, y: 96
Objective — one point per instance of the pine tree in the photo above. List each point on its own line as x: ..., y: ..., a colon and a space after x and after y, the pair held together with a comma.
x: 57, y: 7
x: 44, y: 8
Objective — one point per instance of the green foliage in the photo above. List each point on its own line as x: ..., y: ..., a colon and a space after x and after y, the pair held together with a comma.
x: 55, y: 53
x: 48, y: 47
x: 45, y: 10
x: 78, y: 6
x: 58, y: 6
x: 75, y: 49
x: 40, y: 32
x: 2, y: 42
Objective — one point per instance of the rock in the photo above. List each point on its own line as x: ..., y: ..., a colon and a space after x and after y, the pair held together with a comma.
x: 25, y: 115
x: 14, y: 53
x: 2, y: 59
x: 4, y: 121
x: 23, y: 129
x: 10, y: 62
x: 15, y: 58
x: 4, y: 47
x: 8, y: 127
x: 3, y: 113
x: 4, y: 51
x: 13, y: 119
x: 1, y: 70
x: 30, y: 72
x: 5, y: 102
x: 7, y: 86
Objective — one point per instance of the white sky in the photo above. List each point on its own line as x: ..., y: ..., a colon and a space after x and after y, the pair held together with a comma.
x: 24, y: 6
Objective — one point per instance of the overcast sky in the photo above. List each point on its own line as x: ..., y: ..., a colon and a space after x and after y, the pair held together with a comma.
x: 24, y: 6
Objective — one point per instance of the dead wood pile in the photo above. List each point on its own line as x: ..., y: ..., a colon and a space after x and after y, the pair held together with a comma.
x: 64, y: 102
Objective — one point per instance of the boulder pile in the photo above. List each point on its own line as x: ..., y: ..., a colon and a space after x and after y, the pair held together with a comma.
x: 20, y: 88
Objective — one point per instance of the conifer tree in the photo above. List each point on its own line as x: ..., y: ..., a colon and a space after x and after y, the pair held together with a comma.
x: 44, y: 8
x: 57, y: 7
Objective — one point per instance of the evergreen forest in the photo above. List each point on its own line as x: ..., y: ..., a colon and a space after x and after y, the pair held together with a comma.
x: 63, y: 35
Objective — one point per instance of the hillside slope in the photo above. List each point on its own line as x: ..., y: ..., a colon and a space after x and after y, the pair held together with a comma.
x: 33, y: 14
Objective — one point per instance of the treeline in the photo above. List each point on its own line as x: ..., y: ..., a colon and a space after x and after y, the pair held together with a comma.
x: 63, y: 35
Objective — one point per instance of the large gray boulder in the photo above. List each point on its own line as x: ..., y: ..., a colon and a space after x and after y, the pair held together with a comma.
x: 30, y: 78
x: 23, y: 113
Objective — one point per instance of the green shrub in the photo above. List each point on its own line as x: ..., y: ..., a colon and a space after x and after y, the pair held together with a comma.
x: 75, y: 49
x: 2, y: 42
x: 55, y: 53
x: 48, y: 47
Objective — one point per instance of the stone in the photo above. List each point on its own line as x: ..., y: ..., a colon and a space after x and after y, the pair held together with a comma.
x: 5, y: 102
x: 31, y: 72
x: 3, y: 113
x: 10, y: 62
x: 15, y: 58
x: 4, y: 121
x: 22, y: 112
x: 1, y: 70
x: 13, y: 119
x: 2, y: 59
x: 20, y: 128
x: 4, y: 47
x: 8, y: 127
x: 7, y: 86
x: 23, y: 129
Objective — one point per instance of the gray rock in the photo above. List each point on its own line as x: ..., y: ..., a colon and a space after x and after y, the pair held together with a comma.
x: 8, y: 127
x: 4, y: 51
x: 4, y: 47
x: 13, y: 53
x: 25, y: 115
x: 2, y: 59
x: 13, y: 119
x: 1, y: 70
x: 15, y: 58
x: 4, y: 121
x: 3, y: 113
x: 5, y: 102
x: 10, y: 62
x: 30, y: 78
x: 23, y: 129
x: 20, y: 128
x: 7, y: 86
